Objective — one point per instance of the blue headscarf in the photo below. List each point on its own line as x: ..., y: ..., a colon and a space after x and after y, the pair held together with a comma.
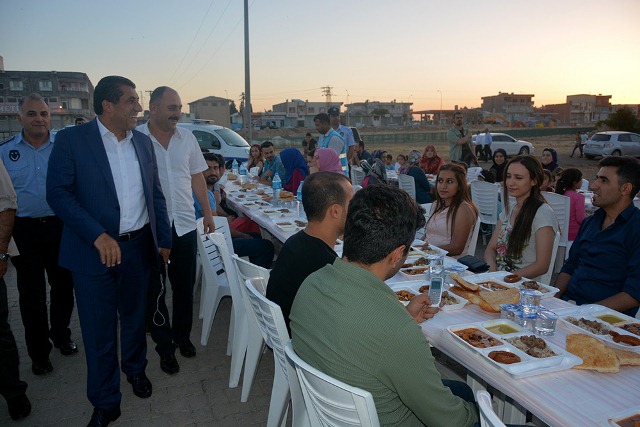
x: 292, y: 160
x: 554, y: 162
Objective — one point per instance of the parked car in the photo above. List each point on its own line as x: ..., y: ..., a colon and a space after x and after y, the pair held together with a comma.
x: 512, y: 146
x: 612, y: 143
x: 220, y: 140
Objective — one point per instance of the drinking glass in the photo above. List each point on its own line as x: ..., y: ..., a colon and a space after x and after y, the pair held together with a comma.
x: 530, y: 301
x: 546, y: 323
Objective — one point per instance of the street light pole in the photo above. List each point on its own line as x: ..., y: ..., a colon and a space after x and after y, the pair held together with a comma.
x: 440, y: 117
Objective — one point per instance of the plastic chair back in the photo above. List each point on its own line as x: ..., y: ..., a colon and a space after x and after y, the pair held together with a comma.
x: 331, y: 402
x: 585, y: 185
x: 488, y: 418
x: 473, y: 243
x: 408, y: 184
x: 561, y: 205
x: 485, y: 197
x: 473, y: 173
x: 357, y: 175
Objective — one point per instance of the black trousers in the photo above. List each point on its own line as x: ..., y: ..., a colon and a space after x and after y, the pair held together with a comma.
x: 182, y: 275
x: 38, y: 240
x: 10, y: 384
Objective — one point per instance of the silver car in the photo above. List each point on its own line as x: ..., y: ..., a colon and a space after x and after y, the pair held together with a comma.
x: 613, y: 143
x: 512, y: 146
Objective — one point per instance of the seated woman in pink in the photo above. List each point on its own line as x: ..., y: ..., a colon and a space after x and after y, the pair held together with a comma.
x: 453, y: 215
x: 569, y: 182
x: 295, y: 168
x: 325, y: 160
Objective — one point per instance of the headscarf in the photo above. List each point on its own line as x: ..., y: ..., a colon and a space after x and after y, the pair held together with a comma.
x: 413, y: 159
x: 499, y: 169
x: 430, y: 165
x: 328, y: 160
x: 292, y: 160
x: 554, y: 163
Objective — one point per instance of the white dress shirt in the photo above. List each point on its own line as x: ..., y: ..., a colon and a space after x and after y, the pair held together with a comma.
x: 176, y: 164
x: 127, y: 177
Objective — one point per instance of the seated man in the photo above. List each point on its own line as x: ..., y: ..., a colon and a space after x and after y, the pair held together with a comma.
x: 325, y: 197
x: 272, y: 164
x: 260, y: 251
x: 604, y: 261
x: 346, y: 322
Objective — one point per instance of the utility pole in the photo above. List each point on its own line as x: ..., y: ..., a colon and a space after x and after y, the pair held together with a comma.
x: 247, y: 75
x: 326, y: 91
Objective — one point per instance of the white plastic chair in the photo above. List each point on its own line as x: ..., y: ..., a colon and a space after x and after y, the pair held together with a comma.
x: 473, y: 243
x: 238, y: 325
x: 637, y: 203
x: 546, y: 278
x: 485, y: 197
x: 561, y: 205
x: 488, y: 418
x: 423, y: 231
x: 285, y: 381
x: 473, y: 173
x: 255, y: 342
x: 585, y: 185
x: 357, y: 175
x: 331, y: 402
x: 213, y: 289
x: 408, y: 184
x: 222, y: 226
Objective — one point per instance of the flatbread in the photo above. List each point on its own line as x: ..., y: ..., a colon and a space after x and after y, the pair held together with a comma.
x: 496, y: 298
x: 464, y: 283
x: 594, y: 354
x: 627, y: 358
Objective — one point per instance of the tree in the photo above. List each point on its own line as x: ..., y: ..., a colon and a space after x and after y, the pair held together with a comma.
x: 623, y: 119
x: 242, y: 103
x: 232, y: 107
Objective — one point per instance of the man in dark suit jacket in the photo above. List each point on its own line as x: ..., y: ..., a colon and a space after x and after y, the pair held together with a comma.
x: 103, y: 183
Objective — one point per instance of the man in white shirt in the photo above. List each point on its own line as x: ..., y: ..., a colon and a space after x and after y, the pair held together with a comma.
x: 180, y: 167
x: 345, y: 132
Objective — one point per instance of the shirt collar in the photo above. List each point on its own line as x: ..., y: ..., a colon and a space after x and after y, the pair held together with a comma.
x: 625, y: 215
x: 23, y: 140
x: 104, y: 131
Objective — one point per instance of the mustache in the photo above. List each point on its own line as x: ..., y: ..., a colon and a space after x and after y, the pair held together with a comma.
x: 174, y: 118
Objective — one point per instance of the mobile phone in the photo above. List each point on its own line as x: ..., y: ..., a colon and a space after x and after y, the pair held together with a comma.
x: 435, y: 291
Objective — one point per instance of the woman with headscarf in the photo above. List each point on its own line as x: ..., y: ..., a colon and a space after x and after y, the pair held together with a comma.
x: 423, y: 189
x: 549, y: 159
x: 295, y: 168
x: 430, y: 162
x: 376, y: 173
x: 401, y: 163
x: 499, y: 163
x: 325, y: 160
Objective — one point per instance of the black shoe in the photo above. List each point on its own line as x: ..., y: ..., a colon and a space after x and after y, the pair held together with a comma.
x: 186, y: 348
x: 141, y: 385
x: 169, y: 364
x: 41, y: 367
x: 67, y: 348
x: 19, y: 407
x: 102, y: 418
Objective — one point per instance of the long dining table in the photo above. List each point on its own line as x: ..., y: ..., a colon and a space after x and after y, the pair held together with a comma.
x: 563, y: 398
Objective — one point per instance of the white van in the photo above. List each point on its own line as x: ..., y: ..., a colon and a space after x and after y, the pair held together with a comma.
x: 219, y: 140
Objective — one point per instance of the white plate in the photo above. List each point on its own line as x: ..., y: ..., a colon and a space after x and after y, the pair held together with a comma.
x: 619, y: 416
x: 405, y: 287
x: 415, y: 246
x: 589, y: 312
x: 498, y: 276
x: 414, y: 286
x: 286, y: 225
x: 528, y: 366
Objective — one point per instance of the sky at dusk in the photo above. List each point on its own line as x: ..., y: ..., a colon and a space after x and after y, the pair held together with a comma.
x: 407, y: 50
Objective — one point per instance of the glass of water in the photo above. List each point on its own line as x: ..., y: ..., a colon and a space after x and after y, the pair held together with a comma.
x: 530, y: 301
x: 546, y: 323
x: 436, y: 266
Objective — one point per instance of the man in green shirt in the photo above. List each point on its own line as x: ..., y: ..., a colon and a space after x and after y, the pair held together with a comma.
x: 348, y: 323
x: 460, y: 144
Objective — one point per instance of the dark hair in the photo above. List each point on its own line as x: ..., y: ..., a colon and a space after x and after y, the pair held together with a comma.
x: 79, y: 119
x: 31, y: 97
x: 568, y: 179
x: 628, y: 170
x: 266, y: 144
x: 321, y: 190
x: 210, y: 157
x: 221, y: 161
x: 308, y: 134
x: 157, y: 94
x: 361, y: 143
x: 404, y: 156
x: 109, y: 89
x: 463, y: 165
x: 322, y: 117
x: 455, y: 113
x: 461, y: 196
x: 381, y: 218
x: 521, y: 232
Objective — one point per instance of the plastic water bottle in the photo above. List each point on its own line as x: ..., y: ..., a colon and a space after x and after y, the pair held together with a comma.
x: 234, y: 167
x: 299, y: 195
x: 276, y: 185
x: 243, y: 173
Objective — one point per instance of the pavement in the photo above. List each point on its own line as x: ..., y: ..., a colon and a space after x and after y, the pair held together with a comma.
x: 199, y: 395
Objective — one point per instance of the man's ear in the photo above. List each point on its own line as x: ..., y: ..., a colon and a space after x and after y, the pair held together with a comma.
x: 397, y: 254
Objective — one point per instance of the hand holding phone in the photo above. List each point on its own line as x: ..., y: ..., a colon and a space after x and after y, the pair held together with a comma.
x: 435, y: 291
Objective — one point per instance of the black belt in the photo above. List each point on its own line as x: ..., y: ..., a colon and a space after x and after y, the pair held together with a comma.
x: 125, y: 237
x: 39, y: 219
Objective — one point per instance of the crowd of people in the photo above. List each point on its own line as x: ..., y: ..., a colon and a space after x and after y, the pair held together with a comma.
x: 108, y: 210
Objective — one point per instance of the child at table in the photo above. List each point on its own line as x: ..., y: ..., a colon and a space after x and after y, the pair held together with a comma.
x: 570, y: 181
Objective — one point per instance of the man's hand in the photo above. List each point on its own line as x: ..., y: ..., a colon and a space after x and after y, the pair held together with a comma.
x: 109, y: 250
x: 419, y: 308
x: 209, y: 225
x: 164, y: 254
x: 267, y: 174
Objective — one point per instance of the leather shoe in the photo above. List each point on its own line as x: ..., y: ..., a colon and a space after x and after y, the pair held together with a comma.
x: 141, y: 385
x: 102, y: 418
x: 67, y: 348
x: 186, y: 348
x: 19, y: 407
x: 169, y: 364
x: 41, y: 367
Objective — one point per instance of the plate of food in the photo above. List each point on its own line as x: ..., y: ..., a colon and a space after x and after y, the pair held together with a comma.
x: 286, y: 225
x: 413, y: 272
x: 519, y: 353
x: 497, y: 280
x: 486, y: 300
x: 627, y: 418
x: 588, y: 320
x: 452, y: 302
x: 427, y: 249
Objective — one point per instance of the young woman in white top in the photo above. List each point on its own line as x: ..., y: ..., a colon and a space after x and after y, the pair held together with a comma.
x: 523, y: 239
x: 453, y: 214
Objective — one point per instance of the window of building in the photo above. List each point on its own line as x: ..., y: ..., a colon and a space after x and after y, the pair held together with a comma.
x: 311, y: 110
x: 321, y: 109
x: 51, y: 99
x: 12, y: 99
x: 45, y: 85
x: 15, y: 85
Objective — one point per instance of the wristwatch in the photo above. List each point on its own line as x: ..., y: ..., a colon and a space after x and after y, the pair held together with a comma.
x: 4, y: 257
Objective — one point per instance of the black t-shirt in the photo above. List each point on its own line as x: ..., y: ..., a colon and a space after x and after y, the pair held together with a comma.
x: 300, y: 256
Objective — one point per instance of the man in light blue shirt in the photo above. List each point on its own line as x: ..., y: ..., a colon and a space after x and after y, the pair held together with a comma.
x: 345, y: 132
x: 37, y: 232
x: 272, y: 164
